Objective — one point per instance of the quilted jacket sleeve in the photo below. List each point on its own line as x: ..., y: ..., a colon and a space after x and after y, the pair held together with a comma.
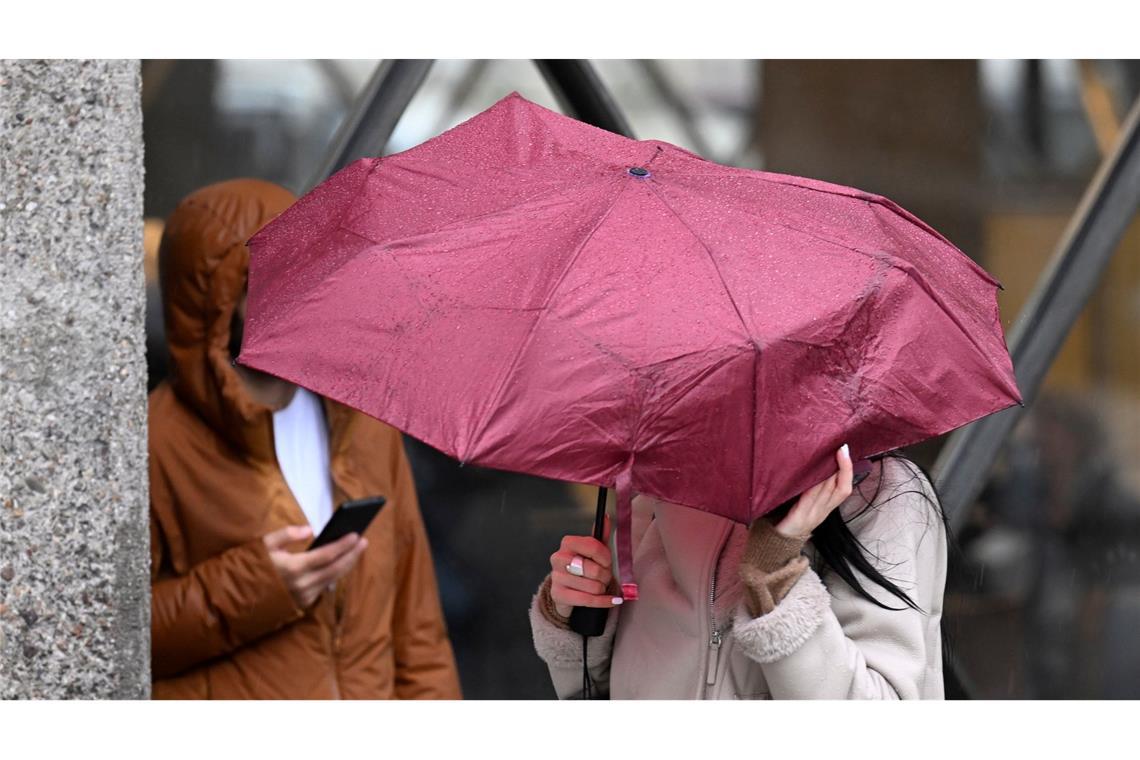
x: 216, y: 607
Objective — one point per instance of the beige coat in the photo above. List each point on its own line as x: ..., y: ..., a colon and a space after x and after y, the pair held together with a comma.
x: 689, y: 636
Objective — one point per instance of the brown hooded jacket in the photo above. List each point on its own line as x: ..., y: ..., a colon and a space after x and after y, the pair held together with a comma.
x: 223, y: 623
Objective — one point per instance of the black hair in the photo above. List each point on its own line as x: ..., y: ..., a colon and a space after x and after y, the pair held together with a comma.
x: 841, y: 552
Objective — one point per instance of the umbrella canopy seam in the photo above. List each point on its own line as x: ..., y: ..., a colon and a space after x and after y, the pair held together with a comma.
x: 911, y: 272
x: 457, y: 224
x: 502, y: 384
x: 752, y: 338
x: 712, y: 259
x: 831, y: 188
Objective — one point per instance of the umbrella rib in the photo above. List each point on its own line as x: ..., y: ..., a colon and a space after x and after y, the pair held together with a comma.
x: 755, y: 347
x: 712, y: 259
x: 898, y: 263
x: 916, y: 276
x: 831, y: 188
x: 384, y: 245
x: 502, y: 386
x: 461, y: 222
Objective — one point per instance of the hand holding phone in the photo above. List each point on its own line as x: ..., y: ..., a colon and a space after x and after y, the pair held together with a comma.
x: 330, y: 557
x: 352, y: 517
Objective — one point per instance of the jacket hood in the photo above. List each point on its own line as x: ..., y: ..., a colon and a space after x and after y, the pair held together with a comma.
x: 203, y: 264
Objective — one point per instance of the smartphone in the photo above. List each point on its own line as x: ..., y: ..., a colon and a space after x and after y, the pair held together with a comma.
x: 352, y: 517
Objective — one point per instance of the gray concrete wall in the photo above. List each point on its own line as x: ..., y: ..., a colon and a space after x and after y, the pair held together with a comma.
x: 74, y: 589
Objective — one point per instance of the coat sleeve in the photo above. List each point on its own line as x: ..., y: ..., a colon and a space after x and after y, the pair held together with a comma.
x: 561, y: 650
x: 824, y: 641
x: 425, y: 663
x: 219, y: 605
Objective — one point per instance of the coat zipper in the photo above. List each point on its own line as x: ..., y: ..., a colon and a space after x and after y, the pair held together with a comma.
x: 715, y: 637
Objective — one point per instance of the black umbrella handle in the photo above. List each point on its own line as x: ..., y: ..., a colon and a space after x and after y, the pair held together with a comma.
x: 591, y: 621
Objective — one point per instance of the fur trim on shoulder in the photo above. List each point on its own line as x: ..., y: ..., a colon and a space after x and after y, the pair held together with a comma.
x: 559, y: 647
x: 782, y: 631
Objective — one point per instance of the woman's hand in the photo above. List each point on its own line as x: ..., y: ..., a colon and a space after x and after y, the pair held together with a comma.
x: 816, y: 503
x: 307, y: 574
x: 590, y: 557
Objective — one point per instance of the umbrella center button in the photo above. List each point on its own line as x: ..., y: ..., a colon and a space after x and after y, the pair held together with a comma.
x: 639, y: 171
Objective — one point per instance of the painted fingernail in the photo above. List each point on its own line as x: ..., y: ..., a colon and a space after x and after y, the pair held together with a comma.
x: 617, y: 600
x: 846, y: 451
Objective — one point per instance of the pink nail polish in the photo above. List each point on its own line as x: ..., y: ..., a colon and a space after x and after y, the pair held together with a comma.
x: 617, y: 600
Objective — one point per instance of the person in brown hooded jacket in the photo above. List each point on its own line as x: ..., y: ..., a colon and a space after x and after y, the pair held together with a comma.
x: 231, y: 615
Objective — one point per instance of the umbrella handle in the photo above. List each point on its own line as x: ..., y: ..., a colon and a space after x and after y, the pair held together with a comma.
x: 591, y: 621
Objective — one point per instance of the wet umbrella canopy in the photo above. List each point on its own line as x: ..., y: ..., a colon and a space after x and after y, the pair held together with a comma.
x: 531, y: 293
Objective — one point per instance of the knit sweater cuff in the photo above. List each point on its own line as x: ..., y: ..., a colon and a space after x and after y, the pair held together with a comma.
x: 768, y: 549
x: 770, y: 566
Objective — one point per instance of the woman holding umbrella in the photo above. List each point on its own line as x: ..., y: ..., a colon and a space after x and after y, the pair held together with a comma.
x: 530, y: 293
x: 835, y: 595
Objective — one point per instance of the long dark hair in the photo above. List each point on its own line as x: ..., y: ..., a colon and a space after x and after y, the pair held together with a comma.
x: 841, y: 552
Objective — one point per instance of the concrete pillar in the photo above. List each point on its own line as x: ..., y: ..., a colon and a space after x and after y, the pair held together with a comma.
x: 74, y: 589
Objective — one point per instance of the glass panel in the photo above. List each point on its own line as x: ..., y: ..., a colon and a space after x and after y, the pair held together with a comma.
x: 1044, y: 601
x: 1045, y: 584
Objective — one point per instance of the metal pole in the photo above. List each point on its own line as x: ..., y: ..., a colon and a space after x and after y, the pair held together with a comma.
x: 1109, y: 205
x: 368, y: 126
x: 582, y: 95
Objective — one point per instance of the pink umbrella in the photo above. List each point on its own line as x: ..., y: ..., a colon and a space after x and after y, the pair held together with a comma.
x: 531, y: 293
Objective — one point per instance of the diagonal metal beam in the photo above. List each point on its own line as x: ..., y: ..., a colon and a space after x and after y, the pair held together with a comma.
x: 368, y: 126
x: 581, y: 94
x: 1107, y: 208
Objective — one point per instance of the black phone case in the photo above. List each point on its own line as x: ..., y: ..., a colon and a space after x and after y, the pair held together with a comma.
x: 352, y: 517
